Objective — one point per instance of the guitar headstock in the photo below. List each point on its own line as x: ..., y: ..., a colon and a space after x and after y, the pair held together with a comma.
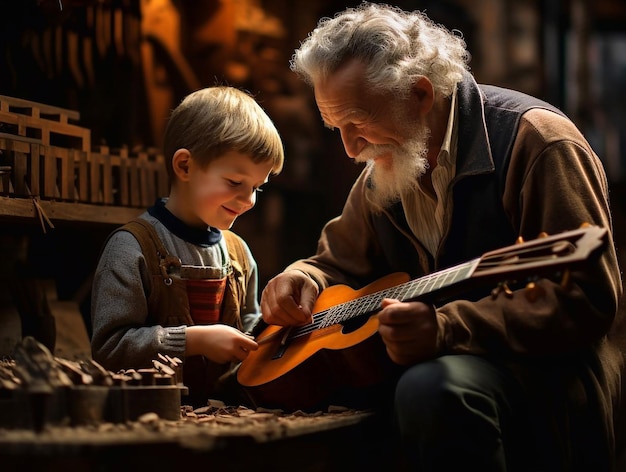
x: 546, y: 255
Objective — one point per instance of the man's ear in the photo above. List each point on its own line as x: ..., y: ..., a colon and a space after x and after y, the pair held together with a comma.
x: 424, y: 93
x: 180, y: 164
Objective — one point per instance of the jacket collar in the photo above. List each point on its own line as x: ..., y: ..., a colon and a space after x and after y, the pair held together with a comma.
x: 473, y: 151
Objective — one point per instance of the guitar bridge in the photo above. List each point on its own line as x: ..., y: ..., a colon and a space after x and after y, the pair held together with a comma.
x: 280, y: 352
x: 283, y: 344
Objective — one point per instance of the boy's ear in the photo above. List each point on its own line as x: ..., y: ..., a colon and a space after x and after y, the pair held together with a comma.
x: 180, y: 164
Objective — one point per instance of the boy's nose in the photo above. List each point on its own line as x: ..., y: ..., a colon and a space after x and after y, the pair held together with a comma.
x: 249, y: 198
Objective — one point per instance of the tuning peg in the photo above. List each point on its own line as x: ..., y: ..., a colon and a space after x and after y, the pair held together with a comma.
x: 533, y: 291
x: 565, y: 280
x: 520, y: 239
x: 502, y: 287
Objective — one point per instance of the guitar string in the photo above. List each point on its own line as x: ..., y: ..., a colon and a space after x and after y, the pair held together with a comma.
x: 348, y: 310
x: 372, y: 302
x: 353, y: 308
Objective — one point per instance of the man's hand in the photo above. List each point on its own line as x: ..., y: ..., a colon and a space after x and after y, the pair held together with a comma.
x: 288, y: 299
x: 218, y: 342
x: 409, y: 330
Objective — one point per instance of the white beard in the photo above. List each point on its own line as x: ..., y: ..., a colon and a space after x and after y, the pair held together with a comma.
x: 401, y: 171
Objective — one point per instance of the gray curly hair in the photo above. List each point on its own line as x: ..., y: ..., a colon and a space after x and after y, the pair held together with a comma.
x: 398, y: 46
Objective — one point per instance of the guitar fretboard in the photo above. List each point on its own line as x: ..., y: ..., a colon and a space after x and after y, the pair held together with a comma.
x: 370, y: 304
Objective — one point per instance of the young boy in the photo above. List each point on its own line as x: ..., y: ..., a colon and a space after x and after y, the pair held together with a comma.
x: 175, y: 280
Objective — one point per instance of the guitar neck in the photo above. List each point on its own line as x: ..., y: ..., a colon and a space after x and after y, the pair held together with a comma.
x: 544, y: 255
x: 370, y: 304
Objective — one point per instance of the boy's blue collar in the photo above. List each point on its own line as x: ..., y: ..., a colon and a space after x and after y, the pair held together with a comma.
x: 199, y: 237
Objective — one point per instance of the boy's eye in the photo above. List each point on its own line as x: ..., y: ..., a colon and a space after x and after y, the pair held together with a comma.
x: 235, y: 183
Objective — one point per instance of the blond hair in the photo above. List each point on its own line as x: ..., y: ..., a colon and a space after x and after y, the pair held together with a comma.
x: 215, y: 120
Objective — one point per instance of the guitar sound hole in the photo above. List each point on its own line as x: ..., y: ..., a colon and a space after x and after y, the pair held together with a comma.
x: 353, y: 324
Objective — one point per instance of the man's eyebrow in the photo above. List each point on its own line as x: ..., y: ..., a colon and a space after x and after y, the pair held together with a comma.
x: 326, y: 123
x: 345, y: 117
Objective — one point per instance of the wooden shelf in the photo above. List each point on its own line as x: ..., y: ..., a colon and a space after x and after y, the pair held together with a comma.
x: 22, y: 209
x: 42, y: 153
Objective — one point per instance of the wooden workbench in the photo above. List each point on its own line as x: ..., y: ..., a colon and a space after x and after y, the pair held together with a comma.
x: 236, y: 439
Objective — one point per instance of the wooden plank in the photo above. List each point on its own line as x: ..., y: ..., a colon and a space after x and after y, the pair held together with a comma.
x: 35, y: 170
x: 86, y: 137
x: 107, y: 181
x: 49, y: 172
x: 83, y: 176
x: 123, y: 182
x: 22, y: 209
x: 5, y: 180
x: 20, y: 169
x: 6, y: 102
x: 45, y: 135
x: 66, y: 183
x: 46, y: 127
x: 144, y: 179
x: 73, y: 163
x: 94, y: 180
x: 133, y: 184
x: 17, y: 138
x: 152, y: 172
x: 21, y: 125
x: 8, y: 172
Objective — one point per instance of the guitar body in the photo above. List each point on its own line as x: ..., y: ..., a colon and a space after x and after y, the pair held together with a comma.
x: 323, y: 365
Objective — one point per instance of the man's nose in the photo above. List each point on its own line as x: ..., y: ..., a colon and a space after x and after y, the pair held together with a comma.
x: 353, y: 142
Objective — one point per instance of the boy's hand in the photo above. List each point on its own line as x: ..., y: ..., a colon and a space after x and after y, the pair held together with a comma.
x: 219, y: 343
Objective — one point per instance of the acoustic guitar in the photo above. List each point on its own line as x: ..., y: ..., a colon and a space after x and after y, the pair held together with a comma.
x: 305, y: 367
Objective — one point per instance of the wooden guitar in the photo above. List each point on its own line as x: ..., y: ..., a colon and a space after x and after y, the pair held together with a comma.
x: 303, y: 367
